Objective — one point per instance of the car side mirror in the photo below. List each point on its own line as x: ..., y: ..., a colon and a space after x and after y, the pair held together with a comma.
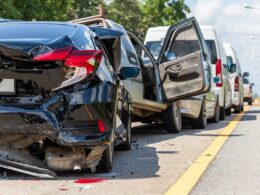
x: 232, y: 68
x: 246, y: 74
x: 252, y: 84
x: 128, y: 72
x: 170, y: 55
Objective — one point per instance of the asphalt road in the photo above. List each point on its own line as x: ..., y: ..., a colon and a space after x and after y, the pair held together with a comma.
x: 157, y: 160
x: 236, y: 169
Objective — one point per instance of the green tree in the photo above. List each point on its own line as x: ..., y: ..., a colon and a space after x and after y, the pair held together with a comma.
x: 60, y: 10
x: 157, y: 13
x: 127, y: 13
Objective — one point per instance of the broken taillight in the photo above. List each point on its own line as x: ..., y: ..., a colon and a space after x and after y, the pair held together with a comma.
x: 89, y: 59
x: 54, y: 55
x: 80, y: 63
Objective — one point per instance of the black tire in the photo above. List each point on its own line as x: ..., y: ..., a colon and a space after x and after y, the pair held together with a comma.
x: 238, y: 109
x: 172, y: 118
x: 222, y: 114
x: 228, y: 111
x: 242, y: 107
x: 201, y: 121
x: 215, y: 119
x: 127, y: 144
x: 250, y: 102
x: 106, y: 162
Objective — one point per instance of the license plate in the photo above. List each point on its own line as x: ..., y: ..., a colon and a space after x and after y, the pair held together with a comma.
x: 7, y: 87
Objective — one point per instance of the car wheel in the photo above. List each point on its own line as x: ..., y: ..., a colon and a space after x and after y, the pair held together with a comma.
x: 222, y: 114
x: 250, y: 101
x: 127, y: 144
x: 201, y: 121
x: 172, y: 118
x: 242, y: 107
x: 215, y: 119
x: 106, y: 162
x: 228, y: 111
x: 238, y: 109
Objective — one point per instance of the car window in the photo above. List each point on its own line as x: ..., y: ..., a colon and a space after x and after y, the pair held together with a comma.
x: 185, y: 41
x: 212, y: 50
x: 245, y: 81
x: 154, y: 47
x: 128, y: 51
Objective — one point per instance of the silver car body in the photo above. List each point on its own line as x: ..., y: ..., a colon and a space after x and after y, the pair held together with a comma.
x: 224, y: 92
x: 235, y: 76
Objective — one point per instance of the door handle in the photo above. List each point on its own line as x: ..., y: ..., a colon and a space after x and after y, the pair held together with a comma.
x: 174, y: 69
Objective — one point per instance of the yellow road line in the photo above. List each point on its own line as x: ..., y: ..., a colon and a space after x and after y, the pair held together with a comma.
x: 189, y: 179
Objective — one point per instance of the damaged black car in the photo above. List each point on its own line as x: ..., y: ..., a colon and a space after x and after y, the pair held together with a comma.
x: 62, y: 104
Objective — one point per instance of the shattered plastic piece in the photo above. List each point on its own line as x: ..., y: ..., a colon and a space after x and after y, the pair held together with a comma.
x: 88, y: 180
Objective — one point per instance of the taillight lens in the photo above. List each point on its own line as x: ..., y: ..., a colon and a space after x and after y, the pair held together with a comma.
x: 219, y: 72
x: 237, y: 83
x: 80, y: 63
x: 89, y: 59
x: 250, y: 89
x: 54, y: 55
x: 101, y: 126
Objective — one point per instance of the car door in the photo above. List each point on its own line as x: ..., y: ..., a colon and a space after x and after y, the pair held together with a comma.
x: 184, y: 61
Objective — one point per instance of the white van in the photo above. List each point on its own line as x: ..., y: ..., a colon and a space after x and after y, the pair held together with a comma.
x: 236, y: 78
x: 219, y: 70
x: 197, y: 108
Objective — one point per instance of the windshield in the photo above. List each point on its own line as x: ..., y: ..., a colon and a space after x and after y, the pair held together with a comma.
x: 154, y: 47
x: 35, y: 30
x: 212, y: 50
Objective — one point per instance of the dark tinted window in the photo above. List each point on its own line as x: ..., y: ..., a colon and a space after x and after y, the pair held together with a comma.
x: 245, y: 81
x: 212, y: 51
x: 34, y: 30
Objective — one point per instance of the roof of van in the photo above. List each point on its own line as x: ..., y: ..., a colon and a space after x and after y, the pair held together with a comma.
x: 206, y: 27
x: 159, y: 28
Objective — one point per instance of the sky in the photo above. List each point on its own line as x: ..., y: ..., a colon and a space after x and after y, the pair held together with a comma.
x: 236, y: 25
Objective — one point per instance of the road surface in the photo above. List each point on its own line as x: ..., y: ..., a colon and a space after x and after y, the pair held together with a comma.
x: 158, y: 159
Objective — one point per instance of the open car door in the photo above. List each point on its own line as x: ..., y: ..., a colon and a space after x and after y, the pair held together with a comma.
x: 183, y: 61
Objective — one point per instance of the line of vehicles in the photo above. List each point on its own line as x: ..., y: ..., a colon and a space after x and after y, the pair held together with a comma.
x: 69, y: 91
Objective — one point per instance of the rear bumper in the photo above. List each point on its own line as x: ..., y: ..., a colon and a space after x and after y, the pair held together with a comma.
x: 190, y: 107
x: 69, y: 119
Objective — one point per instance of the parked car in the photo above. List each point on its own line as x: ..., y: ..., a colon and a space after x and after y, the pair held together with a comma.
x: 219, y: 70
x: 248, y: 89
x: 62, y: 106
x: 197, y: 108
x: 236, y: 78
x: 177, y: 73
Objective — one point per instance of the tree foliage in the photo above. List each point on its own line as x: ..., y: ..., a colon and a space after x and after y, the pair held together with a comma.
x: 127, y: 12
x: 135, y: 15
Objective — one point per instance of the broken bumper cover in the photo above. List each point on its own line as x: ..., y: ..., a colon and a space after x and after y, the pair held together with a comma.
x: 68, y: 118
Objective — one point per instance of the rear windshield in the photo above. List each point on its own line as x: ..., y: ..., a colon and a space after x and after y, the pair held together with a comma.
x: 212, y: 51
x: 154, y: 47
x: 35, y: 30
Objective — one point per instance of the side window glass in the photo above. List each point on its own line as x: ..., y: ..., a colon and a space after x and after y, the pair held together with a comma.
x: 184, y: 42
x: 142, y: 55
x: 131, y: 55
